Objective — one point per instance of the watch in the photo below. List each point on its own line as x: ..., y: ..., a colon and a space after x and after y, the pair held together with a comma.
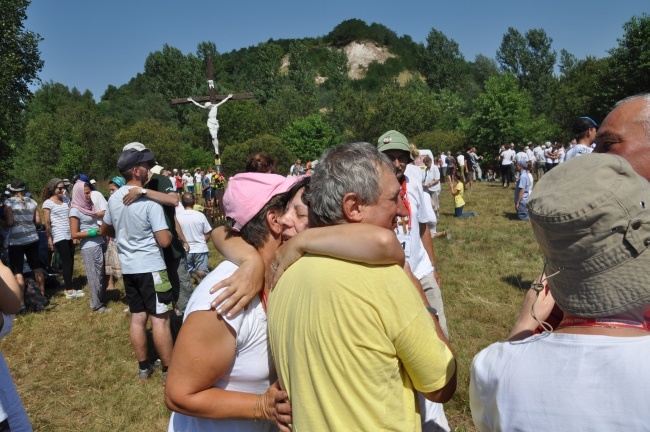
x: 144, y: 191
x: 432, y: 310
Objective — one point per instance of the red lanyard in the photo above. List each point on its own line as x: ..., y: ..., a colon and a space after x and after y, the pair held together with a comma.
x: 405, y: 198
x: 613, y: 322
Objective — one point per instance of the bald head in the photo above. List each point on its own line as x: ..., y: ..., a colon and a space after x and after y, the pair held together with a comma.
x: 626, y: 132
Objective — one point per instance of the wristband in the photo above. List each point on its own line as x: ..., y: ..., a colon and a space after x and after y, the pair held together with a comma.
x: 432, y: 310
x: 93, y: 232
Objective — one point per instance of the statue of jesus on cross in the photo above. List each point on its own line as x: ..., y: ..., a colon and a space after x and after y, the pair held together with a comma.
x: 213, y: 122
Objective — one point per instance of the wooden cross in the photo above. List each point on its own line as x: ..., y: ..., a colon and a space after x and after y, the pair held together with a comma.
x: 213, y: 98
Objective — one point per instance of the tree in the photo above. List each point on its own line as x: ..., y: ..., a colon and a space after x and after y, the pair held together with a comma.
x: 441, y: 62
x: 630, y: 61
x: 531, y: 59
x: 501, y: 114
x: 164, y: 141
x: 235, y: 157
x: 308, y: 137
x: 21, y: 63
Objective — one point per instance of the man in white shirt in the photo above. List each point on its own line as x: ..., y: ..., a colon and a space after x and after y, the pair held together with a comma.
x: 196, y: 229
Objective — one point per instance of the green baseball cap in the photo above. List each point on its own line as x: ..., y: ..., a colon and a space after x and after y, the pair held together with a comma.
x: 393, y: 140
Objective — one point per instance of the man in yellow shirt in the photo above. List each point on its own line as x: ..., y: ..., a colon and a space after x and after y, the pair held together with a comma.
x: 352, y: 342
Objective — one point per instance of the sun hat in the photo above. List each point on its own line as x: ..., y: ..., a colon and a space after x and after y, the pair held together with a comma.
x: 248, y: 193
x: 157, y: 169
x: 393, y: 140
x: 595, y: 233
x: 18, y: 185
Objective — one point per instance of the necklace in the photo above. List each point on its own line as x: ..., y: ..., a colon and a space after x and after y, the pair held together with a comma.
x: 405, y: 199
x: 608, y: 322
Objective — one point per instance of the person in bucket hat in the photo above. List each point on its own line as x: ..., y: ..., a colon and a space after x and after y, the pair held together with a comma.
x: 591, y: 218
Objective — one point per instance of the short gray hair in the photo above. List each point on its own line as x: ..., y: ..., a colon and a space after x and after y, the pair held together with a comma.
x: 350, y: 168
x: 644, y: 114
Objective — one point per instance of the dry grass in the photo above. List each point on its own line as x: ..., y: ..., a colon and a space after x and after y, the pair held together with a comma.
x: 76, y: 371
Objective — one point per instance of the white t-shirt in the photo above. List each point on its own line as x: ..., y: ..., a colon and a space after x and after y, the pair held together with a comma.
x: 443, y: 160
x: 59, y: 220
x: 461, y: 160
x: 432, y: 175
x: 99, y: 202
x: 508, y: 157
x: 560, y: 155
x: 548, y: 153
x: 531, y: 155
x: 198, y: 177
x: 186, y: 178
x: 578, y: 150
x: 521, y: 157
x: 194, y: 225
x: 252, y: 370
x: 86, y: 223
x: 135, y: 226
x: 562, y: 382
x: 416, y: 255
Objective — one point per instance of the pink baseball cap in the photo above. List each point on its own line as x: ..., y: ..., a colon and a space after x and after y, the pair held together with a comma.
x: 248, y: 193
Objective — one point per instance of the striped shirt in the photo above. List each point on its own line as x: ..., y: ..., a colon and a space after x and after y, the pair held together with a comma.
x: 23, y: 232
x: 59, y: 220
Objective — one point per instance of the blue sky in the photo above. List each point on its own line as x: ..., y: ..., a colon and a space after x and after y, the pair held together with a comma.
x: 91, y: 44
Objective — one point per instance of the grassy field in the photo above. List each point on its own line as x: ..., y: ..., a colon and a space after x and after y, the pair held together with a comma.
x: 76, y: 371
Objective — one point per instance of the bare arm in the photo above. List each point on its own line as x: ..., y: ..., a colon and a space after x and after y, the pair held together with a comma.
x: 246, y: 282
x: 181, y: 236
x: 9, y: 217
x: 107, y: 230
x: 526, y: 325
x: 79, y: 235
x: 48, y: 228
x: 163, y: 237
x: 425, y: 236
x: 364, y: 243
x: 204, y: 352
x: 37, y: 217
x: 162, y: 198
x: 11, y: 296
x: 454, y: 191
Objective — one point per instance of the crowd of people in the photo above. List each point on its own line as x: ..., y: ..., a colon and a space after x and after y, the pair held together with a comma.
x: 328, y: 314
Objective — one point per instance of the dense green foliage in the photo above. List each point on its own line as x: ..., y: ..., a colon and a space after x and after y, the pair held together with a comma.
x: 305, y: 100
x: 20, y: 63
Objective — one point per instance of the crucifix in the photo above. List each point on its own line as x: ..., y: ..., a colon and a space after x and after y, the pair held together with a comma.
x: 211, y: 105
x: 403, y: 222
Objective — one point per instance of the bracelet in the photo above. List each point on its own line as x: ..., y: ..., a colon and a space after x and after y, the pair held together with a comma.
x: 255, y: 408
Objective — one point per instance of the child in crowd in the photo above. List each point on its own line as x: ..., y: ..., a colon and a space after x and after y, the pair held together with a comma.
x: 457, y: 190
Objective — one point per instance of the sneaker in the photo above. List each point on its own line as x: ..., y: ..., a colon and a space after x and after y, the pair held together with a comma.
x: 102, y: 309
x: 448, y: 234
x: 145, y: 374
x: 126, y: 309
x: 157, y: 364
x: 72, y: 295
x: 79, y: 293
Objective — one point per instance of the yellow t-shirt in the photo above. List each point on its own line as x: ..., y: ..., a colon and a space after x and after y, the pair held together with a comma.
x: 458, y: 199
x: 350, y: 342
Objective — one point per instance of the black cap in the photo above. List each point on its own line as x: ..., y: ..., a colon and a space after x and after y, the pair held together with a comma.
x: 583, y: 124
x: 130, y: 158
